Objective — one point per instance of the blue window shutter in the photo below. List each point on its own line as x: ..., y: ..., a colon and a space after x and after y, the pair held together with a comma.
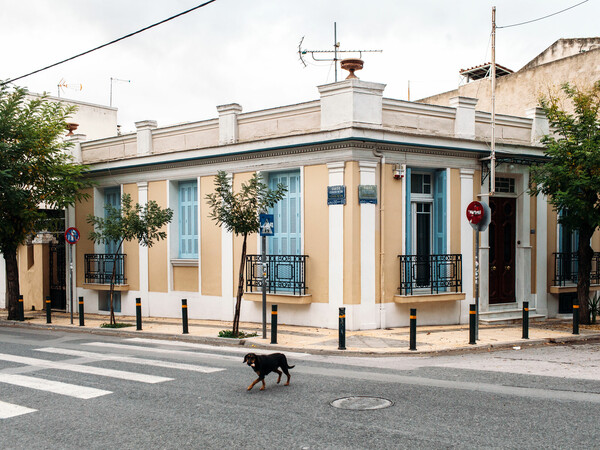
x: 439, y: 212
x: 408, y: 237
x: 287, y: 238
x: 112, y: 196
x: 188, y: 219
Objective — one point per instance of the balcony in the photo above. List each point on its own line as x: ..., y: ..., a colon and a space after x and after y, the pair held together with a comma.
x: 99, y: 270
x: 431, y: 274
x: 286, y: 275
x: 566, y: 267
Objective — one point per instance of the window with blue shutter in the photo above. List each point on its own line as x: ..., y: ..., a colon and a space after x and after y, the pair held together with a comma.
x: 188, y: 220
x: 439, y: 212
x: 287, y: 238
x: 112, y: 196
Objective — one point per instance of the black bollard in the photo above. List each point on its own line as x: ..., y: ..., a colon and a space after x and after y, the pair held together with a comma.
x: 184, y: 315
x: 48, y: 310
x: 575, y: 319
x: 413, y: 329
x: 472, y: 324
x: 342, y: 329
x: 20, y: 309
x: 81, y: 316
x: 138, y: 313
x: 273, y: 324
x: 525, y: 320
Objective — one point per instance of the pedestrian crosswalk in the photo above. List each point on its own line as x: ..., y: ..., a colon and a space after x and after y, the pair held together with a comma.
x: 78, y: 361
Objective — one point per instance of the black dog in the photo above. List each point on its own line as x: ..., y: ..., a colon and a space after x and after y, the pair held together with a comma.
x: 265, y: 364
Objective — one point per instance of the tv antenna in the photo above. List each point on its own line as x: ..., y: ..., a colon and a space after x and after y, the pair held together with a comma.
x: 112, y: 80
x: 336, y: 50
x: 62, y: 84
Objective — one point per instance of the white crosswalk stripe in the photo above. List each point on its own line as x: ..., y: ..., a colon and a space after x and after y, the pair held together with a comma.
x: 57, y: 387
x: 168, y: 351
x: 130, y: 359
x: 8, y: 410
x: 43, y: 363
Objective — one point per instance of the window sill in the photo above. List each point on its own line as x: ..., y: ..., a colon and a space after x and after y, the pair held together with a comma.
x: 279, y: 298
x: 430, y: 298
x: 571, y: 288
x: 105, y: 287
x: 184, y: 262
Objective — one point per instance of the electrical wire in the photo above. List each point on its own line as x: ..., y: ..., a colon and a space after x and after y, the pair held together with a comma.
x: 109, y: 43
x: 545, y: 17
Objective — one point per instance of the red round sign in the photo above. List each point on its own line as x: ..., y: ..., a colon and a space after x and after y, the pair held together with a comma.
x: 475, y: 212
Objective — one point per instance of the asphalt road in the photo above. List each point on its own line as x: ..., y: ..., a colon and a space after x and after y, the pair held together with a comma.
x: 71, y: 391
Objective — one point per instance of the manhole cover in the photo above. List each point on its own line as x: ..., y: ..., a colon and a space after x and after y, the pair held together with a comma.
x: 361, y: 403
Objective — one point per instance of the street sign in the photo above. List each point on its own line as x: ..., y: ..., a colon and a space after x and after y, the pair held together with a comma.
x: 478, y: 215
x: 72, y: 235
x: 267, y: 224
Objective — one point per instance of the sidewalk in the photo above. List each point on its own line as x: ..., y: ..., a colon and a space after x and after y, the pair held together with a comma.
x: 387, y: 342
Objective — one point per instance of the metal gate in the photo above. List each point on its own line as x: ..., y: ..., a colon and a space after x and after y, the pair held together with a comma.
x: 58, y: 276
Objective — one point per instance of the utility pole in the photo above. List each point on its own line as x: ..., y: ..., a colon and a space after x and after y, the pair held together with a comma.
x: 336, y: 51
x: 493, y: 147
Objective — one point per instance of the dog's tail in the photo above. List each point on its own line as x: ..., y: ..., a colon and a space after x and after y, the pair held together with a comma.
x: 290, y: 367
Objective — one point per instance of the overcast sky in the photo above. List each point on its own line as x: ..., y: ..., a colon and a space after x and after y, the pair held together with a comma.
x: 246, y: 51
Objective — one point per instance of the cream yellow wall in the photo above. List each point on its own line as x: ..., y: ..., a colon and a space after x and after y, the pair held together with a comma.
x: 185, y: 279
x: 251, y: 243
x: 158, y: 253
x: 596, y: 241
x: 392, y: 218
x: 533, y: 242
x: 132, y: 249
x: 34, y: 274
x: 316, y: 237
x: 210, y: 237
x: 82, y: 210
x: 351, y: 235
x: 455, y: 213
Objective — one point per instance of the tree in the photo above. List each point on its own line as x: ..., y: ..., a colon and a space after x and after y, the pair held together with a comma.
x: 35, y: 169
x: 571, y: 175
x: 142, y: 223
x: 239, y: 214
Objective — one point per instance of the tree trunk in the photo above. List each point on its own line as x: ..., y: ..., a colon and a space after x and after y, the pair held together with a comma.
x: 112, y: 284
x: 585, y: 254
x: 12, y: 285
x: 240, y: 291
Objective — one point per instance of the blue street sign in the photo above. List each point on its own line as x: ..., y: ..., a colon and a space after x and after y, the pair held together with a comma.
x: 267, y: 224
x: 72, y: 235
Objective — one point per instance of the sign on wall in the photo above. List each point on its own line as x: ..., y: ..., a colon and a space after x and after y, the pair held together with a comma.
x: 367, y: 193
x: 336, y: 195
x: 267, y: 224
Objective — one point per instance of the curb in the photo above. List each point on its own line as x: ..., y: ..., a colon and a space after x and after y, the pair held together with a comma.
x: 230, y: 342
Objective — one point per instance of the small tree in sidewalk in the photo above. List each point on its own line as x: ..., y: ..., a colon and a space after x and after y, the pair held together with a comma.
x: 140, y: 223
x: 239, y: 214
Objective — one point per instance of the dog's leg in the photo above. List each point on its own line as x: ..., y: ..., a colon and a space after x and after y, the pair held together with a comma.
x: 279, y: 377
x: 254, y: 382
x: 263, y: 386
x: 287, y: 373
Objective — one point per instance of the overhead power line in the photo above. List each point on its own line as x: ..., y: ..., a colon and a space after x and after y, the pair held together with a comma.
x: 109, y: 43
x: 545, y: 17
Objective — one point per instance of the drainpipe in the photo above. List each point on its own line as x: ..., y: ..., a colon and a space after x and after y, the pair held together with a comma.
x: 381, y: 157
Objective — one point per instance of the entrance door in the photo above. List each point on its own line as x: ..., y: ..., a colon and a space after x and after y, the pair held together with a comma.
x: 58, y: 283
x: 502, y: 234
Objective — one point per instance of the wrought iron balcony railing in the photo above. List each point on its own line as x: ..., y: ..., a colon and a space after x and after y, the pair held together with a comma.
x: 566, y: 268
x: 99, y: 268
x: 286, y: 274
x: 435, y: 273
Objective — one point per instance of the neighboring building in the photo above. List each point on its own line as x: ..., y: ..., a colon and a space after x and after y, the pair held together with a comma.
x: 42, y: 260
x: 576, y: 61
x: 373, y: 221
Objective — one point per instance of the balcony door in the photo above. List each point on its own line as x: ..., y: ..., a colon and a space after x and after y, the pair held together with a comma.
x: 112, y: 196
x: 287, y: 239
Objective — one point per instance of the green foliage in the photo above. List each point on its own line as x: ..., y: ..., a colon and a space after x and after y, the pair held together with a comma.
x: 240, y: 334
x: 35, y: 166
x: 116, y: 325
x: 238, y: 212
x: 571, y: 176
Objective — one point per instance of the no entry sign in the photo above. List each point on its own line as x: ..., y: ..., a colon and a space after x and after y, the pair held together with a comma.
x: 478, y: 215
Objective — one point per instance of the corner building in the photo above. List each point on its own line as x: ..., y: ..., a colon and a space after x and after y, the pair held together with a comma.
x: 373, y: 220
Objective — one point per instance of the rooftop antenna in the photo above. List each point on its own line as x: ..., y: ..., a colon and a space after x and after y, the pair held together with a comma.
x: 111, y: 86
x: 62, y: 84
x: 335, y: 51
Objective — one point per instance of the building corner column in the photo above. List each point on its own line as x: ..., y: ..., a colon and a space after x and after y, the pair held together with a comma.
x: 336, y: 248
x: 466, y: 243
x: 369, y: 312
x: 144, y: 268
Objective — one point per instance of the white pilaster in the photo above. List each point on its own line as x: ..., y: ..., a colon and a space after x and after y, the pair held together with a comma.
x: 143, y: 255
x: 228, y: 123
x: 336, y: 246
x: 466, y: 242
x: 541, y: 256
x: 464, y: 123
x: 76, y: 139
x: 523, y: 262
x: 144, y: 136
x: 484, y: 256
x: 368, y: 319
x: 540, y: 126
x: 227, y: 276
